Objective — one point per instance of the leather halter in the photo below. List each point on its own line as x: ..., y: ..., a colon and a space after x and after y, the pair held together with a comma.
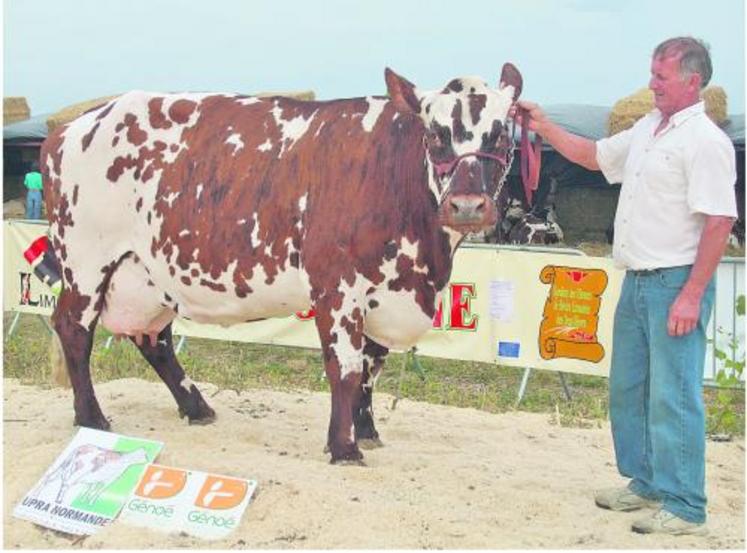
x: 531, y: 158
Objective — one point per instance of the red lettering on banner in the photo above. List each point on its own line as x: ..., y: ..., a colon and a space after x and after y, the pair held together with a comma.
x: 305, y: 315
x: 438, y: 318
x: 460, y: 314
x: 461, y: 317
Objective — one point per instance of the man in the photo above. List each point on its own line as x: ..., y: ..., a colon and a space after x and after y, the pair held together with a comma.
x: 33, y: 183
x: 675, y: 212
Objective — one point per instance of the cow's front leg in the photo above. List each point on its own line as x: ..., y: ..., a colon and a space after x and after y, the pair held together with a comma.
x: 341, y: 335
x: 374, y: 356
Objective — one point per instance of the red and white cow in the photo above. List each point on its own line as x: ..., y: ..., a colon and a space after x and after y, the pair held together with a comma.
x: 224, y: 209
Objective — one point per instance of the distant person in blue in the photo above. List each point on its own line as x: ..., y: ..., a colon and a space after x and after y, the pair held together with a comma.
x: 676, y: 209
x: 33, y: 183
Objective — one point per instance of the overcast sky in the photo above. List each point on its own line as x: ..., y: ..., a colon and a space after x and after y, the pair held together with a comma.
x: 569, y: 51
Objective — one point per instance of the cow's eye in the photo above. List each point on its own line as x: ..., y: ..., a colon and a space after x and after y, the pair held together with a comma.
x: 434, y: 141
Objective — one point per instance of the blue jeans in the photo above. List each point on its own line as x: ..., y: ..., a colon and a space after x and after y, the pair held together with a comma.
x: 656, y: 395
x: 33, y: 204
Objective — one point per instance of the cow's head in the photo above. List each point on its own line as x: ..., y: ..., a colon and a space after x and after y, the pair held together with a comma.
x: 466, y: 141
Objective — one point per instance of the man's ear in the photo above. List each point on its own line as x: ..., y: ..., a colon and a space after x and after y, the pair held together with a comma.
x: 402, y: 93
x: 510, y: 76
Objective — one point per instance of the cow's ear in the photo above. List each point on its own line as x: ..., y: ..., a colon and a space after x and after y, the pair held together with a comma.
x: 402, y: 93
x: 510, y: 76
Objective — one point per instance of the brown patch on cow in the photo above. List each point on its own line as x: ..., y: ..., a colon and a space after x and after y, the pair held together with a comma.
x: 194, y: 272
x: 477, y: 103
x: 460, y: 132
x: 218, y: 287
x: 135, y: 135
x: 172, y: 271
x: 86, y: 141
x: 454, y: 85
x: 354, y: 327
x: 138, y: 204
x: 156, y: 116
x: 150, y: 283
x: 115, y: 141
x: 181, y: 110
x: 373, y: 304
x: 186, y: 281
x: 105, y: 112
x: 75, y: 194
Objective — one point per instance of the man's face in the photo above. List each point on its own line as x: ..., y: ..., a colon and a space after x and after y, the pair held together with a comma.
x: 672, y: 91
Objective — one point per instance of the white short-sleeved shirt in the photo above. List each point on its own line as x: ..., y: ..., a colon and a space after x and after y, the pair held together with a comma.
x: 670, y: 183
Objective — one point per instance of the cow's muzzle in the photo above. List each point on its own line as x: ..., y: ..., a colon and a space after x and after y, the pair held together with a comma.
x: 469, y: 212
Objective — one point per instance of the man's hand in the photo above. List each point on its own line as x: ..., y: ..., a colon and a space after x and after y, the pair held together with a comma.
x: 684, y: 313
x: 536, y: 117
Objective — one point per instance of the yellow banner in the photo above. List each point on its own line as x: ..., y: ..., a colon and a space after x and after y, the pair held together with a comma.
x: 513, y: 307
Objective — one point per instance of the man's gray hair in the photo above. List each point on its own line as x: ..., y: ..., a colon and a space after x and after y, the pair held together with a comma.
x: 693, y: 53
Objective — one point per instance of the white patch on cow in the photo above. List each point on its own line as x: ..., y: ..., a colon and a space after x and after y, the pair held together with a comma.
x: 171, y: 197
x: 186, y: 383
x: 248, y: 101
x: 265, y: 146
x: 241, y: 222
x: 235, y: 141
x: 255, y: 231
x: 319, y: 129
x: 184, y: 232
x: 349, y: 358
x: 375, y: 108
x: 302, y: 202
x: 292, y: 129
x: 198, y: 191
x: 195, y: 253
x: 398, y: 322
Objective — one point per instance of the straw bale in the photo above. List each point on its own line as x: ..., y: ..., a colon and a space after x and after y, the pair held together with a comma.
x: 65, y: 115
x: 15, y: 109
x: 715, y: 104
x: 307, y: 95
x: 630, y: 109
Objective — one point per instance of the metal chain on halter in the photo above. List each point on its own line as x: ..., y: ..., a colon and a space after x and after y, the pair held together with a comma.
x: 507, y: 168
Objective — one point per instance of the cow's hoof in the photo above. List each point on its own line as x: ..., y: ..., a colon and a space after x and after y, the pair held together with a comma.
x: 348, y: 462
x: 348, y: 455
x: 96, y: 422
x: 370, y: 443
x: 201, y: 413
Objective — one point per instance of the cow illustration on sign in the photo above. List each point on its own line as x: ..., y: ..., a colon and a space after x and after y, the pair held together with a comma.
x: 91, y: 466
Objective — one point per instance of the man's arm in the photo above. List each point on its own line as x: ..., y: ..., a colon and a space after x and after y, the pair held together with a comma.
x: 576, y: 148
x: 685, y: 311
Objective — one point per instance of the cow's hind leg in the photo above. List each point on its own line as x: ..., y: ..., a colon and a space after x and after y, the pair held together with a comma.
x: 366, y: 435
x: 77, y: 340
x: 162, y: 358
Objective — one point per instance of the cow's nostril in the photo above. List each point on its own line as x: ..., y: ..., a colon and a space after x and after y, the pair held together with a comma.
x: 480, y: 205
x: 455, y: 206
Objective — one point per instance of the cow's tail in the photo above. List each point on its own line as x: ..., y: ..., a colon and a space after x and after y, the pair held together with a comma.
x: 42, y: 259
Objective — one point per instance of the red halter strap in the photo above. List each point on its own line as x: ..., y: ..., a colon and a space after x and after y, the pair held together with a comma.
x: 531, y: 157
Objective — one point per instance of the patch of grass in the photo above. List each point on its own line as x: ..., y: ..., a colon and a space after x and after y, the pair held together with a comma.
x: 240, y: 366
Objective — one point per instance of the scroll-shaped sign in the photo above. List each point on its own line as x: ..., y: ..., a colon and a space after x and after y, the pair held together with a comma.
x: 571, y: 314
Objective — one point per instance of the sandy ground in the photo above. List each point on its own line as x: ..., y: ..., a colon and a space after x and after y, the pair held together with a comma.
x: 446, y: 478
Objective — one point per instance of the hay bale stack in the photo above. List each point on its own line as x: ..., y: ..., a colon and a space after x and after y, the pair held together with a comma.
x: 15, y: 109
x: 630, y: 109
x: 715, y: 104
x: 306, y: 95
x: 65, y: 115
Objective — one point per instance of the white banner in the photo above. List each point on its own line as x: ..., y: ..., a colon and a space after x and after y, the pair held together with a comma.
x: 511, y: 306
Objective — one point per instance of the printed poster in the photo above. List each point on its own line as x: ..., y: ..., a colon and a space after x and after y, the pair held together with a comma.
x: 571, y: 314
x: 208, y: 506
x: 88, y: 484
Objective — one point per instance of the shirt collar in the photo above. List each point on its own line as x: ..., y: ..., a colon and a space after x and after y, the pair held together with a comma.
x: 684, y: 114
